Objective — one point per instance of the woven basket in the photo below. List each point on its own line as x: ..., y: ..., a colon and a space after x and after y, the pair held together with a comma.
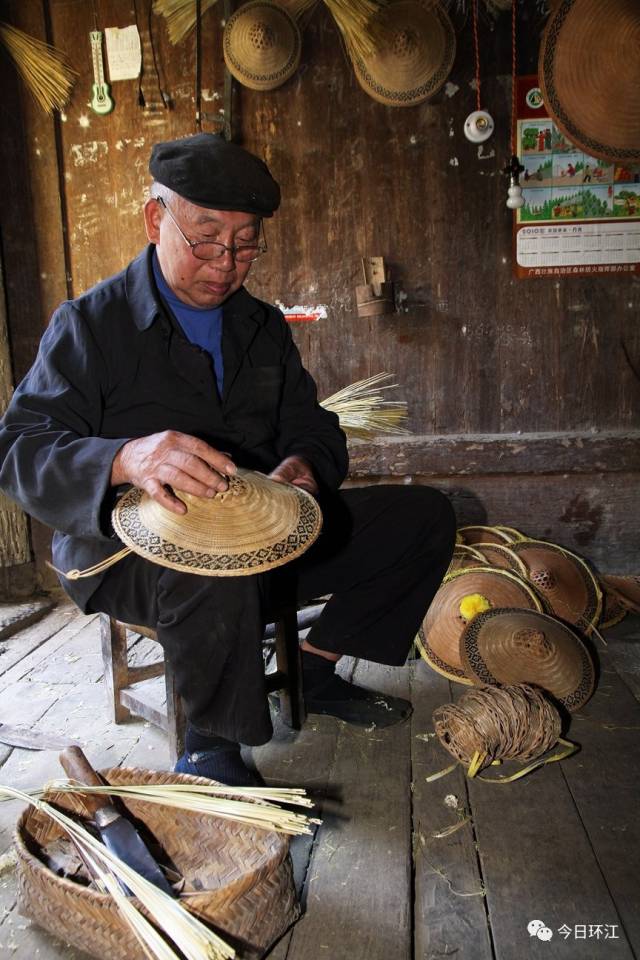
x: 244, y: 873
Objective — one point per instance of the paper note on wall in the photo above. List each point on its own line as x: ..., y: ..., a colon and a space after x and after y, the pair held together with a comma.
x: 123, y: 52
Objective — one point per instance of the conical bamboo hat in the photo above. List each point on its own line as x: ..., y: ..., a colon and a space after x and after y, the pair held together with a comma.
x: 444, y: 622
x: 525, y: 646
x: 254, y: 526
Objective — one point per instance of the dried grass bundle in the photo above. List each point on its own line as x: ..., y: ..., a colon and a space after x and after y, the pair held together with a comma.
x: 357, y: 24
x: 192, y: 938
x: 364, y: 412
x: 45, y: 70
x: 180, y: 16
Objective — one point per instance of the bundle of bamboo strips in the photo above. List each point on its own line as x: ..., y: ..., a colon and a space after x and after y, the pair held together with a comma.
x: 45, y: 70
x: 218, y: 801
x: 180, y: 15
x: 364, y: 412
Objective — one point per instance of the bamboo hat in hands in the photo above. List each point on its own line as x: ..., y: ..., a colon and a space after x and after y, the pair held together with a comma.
x: 254, y: 526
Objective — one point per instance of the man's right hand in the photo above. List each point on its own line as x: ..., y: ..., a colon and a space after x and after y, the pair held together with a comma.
x: 169, y: 461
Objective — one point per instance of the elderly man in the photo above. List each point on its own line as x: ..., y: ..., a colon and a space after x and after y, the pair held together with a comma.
x: 168, y: 376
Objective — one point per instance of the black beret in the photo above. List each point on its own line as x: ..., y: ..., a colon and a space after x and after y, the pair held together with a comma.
x: 211, y: 172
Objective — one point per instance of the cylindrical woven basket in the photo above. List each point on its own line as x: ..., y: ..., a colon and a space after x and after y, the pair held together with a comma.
x: 244, y: 874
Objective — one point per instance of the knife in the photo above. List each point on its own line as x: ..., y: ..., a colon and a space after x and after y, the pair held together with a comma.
x: 118, y: 834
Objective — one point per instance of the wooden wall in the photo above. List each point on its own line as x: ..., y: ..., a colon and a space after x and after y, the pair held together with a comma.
x: 524, y: 395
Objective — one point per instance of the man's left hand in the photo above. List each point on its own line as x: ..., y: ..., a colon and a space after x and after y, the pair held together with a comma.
x: 298, y: 471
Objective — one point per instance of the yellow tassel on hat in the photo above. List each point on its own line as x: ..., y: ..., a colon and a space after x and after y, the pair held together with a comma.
x: 473, y: 604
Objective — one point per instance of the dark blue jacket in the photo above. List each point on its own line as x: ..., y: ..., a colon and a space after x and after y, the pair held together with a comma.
x: 113, y: 365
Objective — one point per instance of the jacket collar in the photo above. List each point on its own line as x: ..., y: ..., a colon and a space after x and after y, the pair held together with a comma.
x: 145, y: 303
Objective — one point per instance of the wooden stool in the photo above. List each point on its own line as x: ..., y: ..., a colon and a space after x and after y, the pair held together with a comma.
x: 127, y: 699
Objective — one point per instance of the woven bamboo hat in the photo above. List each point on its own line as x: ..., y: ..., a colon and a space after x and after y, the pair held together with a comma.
x: 464, y: 556
x: 500, y: 555
x: 261, y: 45
x: 525, y: 646
x: 416, y: 57
x: 589, y: 72
x: 563, y: 580
x: 254, y: 526
x: 462, y: 596
x: 626, y: 590
x: 482, y: 534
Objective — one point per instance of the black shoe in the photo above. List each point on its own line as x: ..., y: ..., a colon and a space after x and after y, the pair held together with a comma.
x: 223, y: 765
x: 364, y: 708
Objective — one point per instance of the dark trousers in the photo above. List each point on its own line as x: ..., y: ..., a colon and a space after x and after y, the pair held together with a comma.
x: 381, y: 555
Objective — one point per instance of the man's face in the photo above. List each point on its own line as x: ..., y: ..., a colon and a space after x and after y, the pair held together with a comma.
x: 199, y: 283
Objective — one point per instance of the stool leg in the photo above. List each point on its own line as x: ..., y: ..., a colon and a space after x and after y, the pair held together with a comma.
x: 289, y: 664
x: 113, y: 638
x: 176, y: 719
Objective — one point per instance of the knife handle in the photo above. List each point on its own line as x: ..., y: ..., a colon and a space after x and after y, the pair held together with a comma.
x: 76, y: 765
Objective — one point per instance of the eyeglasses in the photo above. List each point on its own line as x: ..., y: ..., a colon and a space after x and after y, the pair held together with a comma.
x: 215, y: 250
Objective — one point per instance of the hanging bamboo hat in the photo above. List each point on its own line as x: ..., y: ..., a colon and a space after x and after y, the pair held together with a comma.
x: 563, y: 580
x: 414, y: 59
x: 464, y: 594
x: 525, y: 646
x: 589, y: 72
x: 254, y: 526
x: 261, y: 45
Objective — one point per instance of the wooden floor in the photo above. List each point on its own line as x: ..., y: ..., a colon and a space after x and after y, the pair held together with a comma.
x: 378, y: 881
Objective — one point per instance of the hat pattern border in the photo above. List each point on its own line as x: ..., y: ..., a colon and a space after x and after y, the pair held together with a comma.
x: 595, y: 147
x: 151, y: 546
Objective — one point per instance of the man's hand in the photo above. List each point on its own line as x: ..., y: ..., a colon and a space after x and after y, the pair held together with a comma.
x: 298, y: 471
x: 169, y: 461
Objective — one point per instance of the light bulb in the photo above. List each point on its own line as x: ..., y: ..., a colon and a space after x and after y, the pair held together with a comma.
x: 478, y: 126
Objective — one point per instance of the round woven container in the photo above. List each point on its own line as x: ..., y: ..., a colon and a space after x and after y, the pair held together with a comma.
x: 525, y: 646
x: 589, y: 73
x: 256, y: 525
x: 262, y: 45
x: 500, y: 555
x: 247, y: 891
x: 416, y: 58
x: 564, y: 580
x: 443, y: 624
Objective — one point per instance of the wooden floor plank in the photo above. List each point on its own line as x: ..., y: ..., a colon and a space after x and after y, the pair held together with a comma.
x: 37, y: 644
x: 538, y: 863
x: 450, y: 909
x: 604, y: 780
x: 359, y: 886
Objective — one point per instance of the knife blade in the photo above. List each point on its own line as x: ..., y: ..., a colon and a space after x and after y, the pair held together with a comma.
x: 118, y: 834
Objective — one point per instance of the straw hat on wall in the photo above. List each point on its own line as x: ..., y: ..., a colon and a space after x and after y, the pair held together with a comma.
x: 261, y: 45
x: 589, y: 72
x: 416, y: 57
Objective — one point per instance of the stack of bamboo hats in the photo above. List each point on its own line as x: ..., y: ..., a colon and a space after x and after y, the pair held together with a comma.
x: 515, y: 610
